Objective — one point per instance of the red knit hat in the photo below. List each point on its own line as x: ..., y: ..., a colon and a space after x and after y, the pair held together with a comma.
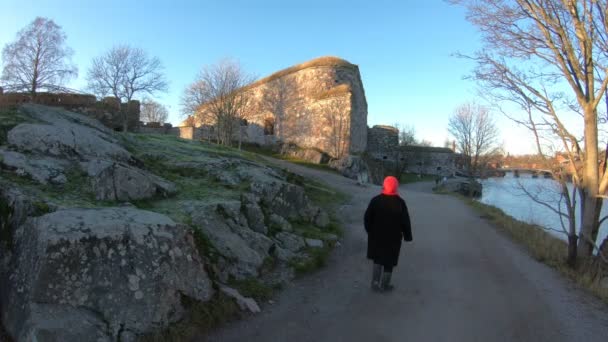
x: 391, y: 186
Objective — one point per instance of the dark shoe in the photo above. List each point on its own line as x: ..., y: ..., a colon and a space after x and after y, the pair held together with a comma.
x: 376, y: 275
x: 386, y: 282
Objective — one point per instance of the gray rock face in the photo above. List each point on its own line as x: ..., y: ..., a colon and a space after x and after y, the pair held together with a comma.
x: 118, y: 181
x: 54, y: 115
x: 63, y: 323
x: 280, y: 223
x: 321, y: 219
x: 125, y: 267
x: 44, y: 170
x: 232, y: 172
x: 309, y: 154
x: 290, y: 242
x: 314, y: 243
x: 238, y: 258
x: 284, y: 199
x: 68, y: 141
x: 464, y: 186
x: 245, y: 303
x: 350, y: 166
x: 255, y: 217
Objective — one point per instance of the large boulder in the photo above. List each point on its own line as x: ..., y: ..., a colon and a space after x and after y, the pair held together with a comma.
x: 238, y: 259
x: 284, y: 199
x: 290, y: 242
x: 102, y: 273
x: 118, y: 181
x: 253, y: 213
x: 57, y: 115
x: 44, y: 170
x: 312, y: 155
x: 462, y: 185
x: 350, y: 166
x: 66, y: 135
x: 68, y: 141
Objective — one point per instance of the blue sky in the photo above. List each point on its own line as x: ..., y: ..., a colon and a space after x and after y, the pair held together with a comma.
x: 403, y: 48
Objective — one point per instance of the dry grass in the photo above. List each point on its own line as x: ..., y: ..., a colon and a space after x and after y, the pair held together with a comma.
x: 546, y: 248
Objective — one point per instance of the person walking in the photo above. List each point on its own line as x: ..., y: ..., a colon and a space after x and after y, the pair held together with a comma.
x: 387, y: 221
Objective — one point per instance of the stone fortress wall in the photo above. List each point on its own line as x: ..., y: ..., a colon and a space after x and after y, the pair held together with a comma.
x: 309, y: 105
x: 108, y: 110
x: 383, y: 145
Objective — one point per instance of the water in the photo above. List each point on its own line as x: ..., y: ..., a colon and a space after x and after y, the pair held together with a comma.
x: 507, y: 194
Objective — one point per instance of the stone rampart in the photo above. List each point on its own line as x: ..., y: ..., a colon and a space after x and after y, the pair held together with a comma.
x: 109, y: 110
x: 318, y: 104
x: 382, y: 138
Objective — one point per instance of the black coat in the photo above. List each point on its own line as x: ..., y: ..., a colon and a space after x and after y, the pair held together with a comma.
x: 387, y: 221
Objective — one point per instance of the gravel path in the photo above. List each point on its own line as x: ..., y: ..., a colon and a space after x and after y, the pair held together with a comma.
x: 460, y: 280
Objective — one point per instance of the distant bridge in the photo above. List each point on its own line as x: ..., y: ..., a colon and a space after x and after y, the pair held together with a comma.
x: 534, y: 172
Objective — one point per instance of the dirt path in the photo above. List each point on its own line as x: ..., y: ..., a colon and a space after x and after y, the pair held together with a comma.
x: 460, y: 280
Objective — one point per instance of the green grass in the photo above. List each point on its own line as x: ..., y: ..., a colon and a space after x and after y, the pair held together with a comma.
x: 316, y: 259
x: 201, y: 319
x: 544, y: 247
x: 204, y: 247
x: 267, y: 151
x: 413, y: 178
x: 322, y: 167
x: 76, y: 192
x: 9, y: 118
x: 253, y: 288
x: 308, y: 230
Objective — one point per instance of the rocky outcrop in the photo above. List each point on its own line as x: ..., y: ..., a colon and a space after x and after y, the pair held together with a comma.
x: 120, y: 182
x: 100, y: 272
x: 65, y: 141
x: 284, y: 199
x: 112, y: 271
x: 245, y: 303
x: 44, y: 170
x: 464, y: 186
x: 350, y: 166
x: 312, y: 155
x: 237, y: 257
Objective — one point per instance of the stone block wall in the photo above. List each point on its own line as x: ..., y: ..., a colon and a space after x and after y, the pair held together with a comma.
x: 318, y: 104
x: 108, y: 110
x: 419, y: 159
x: 48, y: 99
x: 382, y: 138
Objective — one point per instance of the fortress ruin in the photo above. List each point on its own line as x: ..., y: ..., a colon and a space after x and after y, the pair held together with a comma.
x: 108, y: 110
x: 319, y: 104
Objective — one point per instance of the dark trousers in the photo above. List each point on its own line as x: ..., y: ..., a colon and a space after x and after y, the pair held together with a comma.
x: 387, y: 268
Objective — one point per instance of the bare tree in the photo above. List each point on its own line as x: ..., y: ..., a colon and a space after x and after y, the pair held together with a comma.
x: 278, y: 97
x: 152, y: 111
x: 125, y: 72
x: 407, y: 134
x: 37, y: 59
x: 550, y: 58
x: 475, y: 133
x: 338, y: 118
x: 425, y: 143
x: 218, y: 97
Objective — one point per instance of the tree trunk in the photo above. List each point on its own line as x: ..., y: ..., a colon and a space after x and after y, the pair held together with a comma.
x: 590, y: 185
x: 572, y: 253
x: 125, y: 119
x: 240, y: 135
